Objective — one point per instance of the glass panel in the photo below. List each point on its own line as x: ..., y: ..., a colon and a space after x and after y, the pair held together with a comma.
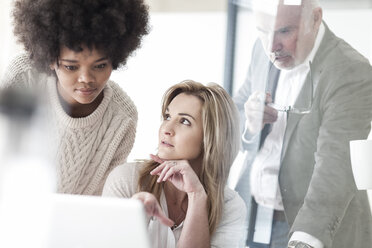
x: 291, y: 152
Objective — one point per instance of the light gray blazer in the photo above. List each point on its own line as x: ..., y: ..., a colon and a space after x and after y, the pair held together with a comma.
x: 315, y: 178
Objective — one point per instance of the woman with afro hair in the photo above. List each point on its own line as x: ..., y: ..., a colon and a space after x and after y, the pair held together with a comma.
x: 71, y: 47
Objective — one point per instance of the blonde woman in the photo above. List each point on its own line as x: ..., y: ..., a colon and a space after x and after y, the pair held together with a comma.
x: 184, y: 185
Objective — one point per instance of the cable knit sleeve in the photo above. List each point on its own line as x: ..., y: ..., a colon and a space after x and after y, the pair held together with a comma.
x: 126, y: 144
x: 19, y: 72
x: 126, y: 105
x: 124, y: 148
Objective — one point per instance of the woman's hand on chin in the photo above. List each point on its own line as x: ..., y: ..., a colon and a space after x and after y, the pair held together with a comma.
x: 152, y: 207
x: 179, y: 173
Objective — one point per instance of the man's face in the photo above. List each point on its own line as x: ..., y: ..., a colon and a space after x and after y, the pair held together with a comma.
x: 285, y: 38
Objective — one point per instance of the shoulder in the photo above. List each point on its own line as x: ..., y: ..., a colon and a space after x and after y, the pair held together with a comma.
x: 338, y: 67
x: 234, y: 205
x: 122, y: 101
x: 231, y: 230
x: 122, y: 181
x: 18, y: 67
x: 335, y: 54
x: 21, y: 72
x: 20, y: 63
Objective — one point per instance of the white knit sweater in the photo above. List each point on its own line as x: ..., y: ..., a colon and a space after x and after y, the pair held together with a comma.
x: 230, y: 232
x: 87, y: 148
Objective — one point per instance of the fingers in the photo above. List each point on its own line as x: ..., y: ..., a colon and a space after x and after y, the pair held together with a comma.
x: 163, y: 218
x: 171, y: 172
x: 268, y: 99
x: 165, y: 170
x: 156, y: 159
x: 258, y: 113
x: 270, y: 115
x: 254, y: 108
x: 152, y: 207
x: 158, y: 169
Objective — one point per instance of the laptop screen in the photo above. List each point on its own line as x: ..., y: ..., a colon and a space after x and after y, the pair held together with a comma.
x: 90, y: 222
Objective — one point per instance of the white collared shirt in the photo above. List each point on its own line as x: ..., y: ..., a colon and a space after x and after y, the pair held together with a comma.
x: 161, y: 235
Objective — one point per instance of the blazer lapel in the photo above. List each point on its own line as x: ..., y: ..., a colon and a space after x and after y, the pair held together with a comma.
x: 302, y: 102
x: 329, y: 42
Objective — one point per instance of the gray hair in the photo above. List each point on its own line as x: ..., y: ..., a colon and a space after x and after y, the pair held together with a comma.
x: 307, y: 11
x: 311, y: 4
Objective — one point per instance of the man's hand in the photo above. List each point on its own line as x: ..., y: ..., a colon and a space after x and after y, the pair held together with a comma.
x: 258, y: 113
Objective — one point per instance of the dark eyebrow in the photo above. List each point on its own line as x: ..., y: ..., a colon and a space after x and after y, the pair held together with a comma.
x: 76, y: 61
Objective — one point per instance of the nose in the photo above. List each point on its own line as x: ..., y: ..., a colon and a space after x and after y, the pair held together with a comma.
x: 271, y: 43
x: 86, y: 76
x: 276, y: 44
x: 167, y: 128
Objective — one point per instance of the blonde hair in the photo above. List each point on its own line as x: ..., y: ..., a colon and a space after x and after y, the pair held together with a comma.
x: 220, y: 144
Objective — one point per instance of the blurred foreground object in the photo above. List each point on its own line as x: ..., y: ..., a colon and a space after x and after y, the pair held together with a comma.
x: 361, y: 163
x: 27, y: 174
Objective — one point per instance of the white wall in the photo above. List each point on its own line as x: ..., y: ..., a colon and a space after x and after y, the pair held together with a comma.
x: 187, y: 5
x: 180, y: 46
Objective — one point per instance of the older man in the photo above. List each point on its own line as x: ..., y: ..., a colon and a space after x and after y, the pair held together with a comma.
x: 307, y: 94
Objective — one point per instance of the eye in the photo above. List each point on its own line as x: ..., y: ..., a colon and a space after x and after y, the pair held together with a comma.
x: 284, y: 30
x: 100, y: 66
x: 166, y: 117
x: 70, y: 67
x: 185, y: 122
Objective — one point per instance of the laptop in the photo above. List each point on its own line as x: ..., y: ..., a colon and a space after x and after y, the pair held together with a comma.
x: 96, y: 222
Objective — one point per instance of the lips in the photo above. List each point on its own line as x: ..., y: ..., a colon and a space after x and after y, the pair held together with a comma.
x: 166, y: 144
x: 86, y: 91
x: 281, y: 57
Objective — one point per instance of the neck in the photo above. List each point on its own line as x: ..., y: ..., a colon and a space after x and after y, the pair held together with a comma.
x: 196, y: 165
x: 177, y: 203
x: 80, y: 110
x: 175, y: 195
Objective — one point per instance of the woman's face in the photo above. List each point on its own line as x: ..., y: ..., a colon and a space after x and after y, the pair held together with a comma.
x: 181, y: 132
x: 81, y: 75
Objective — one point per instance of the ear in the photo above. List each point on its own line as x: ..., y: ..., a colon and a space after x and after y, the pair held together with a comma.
x: 317, y: 17
x: 53, y: 66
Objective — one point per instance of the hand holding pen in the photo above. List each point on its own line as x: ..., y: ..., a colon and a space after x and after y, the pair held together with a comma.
x: 259, y: 111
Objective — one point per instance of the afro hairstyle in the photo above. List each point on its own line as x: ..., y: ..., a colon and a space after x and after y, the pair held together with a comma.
x: 115, y: 27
